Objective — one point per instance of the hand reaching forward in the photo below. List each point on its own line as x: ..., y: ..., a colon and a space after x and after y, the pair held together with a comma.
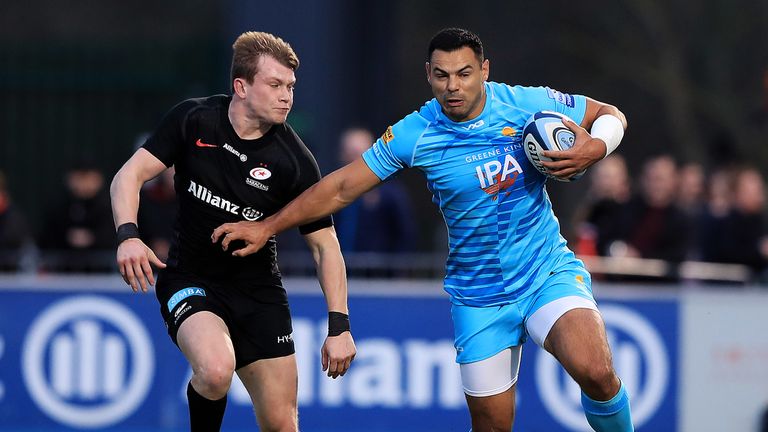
x: 133, y: 261
x: 252, y: 233
x: 584, y: 153
x: 337, y: 354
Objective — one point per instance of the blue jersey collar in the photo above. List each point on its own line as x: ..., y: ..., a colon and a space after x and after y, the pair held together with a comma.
x: 479, y: 122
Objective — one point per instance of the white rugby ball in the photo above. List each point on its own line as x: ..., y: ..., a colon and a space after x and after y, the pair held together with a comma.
x: 545, y: 131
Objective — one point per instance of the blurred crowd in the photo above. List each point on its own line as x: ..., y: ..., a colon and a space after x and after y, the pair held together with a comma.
x: 668, y: 211
x: 675, y: 212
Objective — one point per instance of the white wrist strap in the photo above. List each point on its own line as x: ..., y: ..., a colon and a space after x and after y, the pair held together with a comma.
x: 609, y: 129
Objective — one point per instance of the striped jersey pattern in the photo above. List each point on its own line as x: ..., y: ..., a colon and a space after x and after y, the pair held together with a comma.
x: 504, y: 238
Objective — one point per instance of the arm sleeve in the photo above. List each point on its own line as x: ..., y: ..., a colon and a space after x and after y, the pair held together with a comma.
x: 167, y: 140
x: 308, y: 175
x: 534, y: 99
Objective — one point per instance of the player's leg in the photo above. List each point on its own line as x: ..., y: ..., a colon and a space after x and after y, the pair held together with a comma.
x: 488, y: 345
x: 564, y: 320
x: 489, y: 387
x: 272, y: 385
x: 265, y: 356
x: 204, y: 340
x: 192, y: 314
x: 579, y: 343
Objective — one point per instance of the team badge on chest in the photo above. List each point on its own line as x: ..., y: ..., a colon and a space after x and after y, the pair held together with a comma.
x: 257, y: 176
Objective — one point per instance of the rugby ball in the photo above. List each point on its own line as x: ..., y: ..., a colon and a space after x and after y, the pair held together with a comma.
x: 545, y: 131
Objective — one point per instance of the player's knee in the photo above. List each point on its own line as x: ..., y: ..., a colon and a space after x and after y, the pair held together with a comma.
x: 280, y: 421
x: 497, y: 423
x: 599, y: 381
x: 490, y: 418
x: 212, y: 381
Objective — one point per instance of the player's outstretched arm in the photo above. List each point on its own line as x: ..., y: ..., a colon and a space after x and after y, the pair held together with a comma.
x: 334, y: 192
x: 133, y: 256
x: 606, y: 124
x: 339, y: 350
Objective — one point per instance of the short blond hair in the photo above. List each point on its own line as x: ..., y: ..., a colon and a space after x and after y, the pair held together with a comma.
x: 250, y: 46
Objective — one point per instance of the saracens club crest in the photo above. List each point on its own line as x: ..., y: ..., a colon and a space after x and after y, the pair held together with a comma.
x: 261, y: 173
x: 257, y: 175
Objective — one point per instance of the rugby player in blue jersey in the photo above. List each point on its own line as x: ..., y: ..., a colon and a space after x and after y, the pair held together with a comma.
x: 509, y: 272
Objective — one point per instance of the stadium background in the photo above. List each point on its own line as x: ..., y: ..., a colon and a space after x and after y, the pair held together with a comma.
x: 87, y: 80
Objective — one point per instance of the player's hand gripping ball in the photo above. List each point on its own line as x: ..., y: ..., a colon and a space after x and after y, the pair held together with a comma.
x: 545, y: 131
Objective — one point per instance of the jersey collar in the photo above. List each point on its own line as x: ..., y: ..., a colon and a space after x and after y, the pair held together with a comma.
x: 477, y: 123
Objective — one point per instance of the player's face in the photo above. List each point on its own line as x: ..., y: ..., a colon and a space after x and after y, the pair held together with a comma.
x: 457, y: 79
x: 269, y: 97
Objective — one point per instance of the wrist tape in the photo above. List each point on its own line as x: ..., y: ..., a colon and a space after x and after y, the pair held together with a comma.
x: 609, y: 129
x: 126, y: 231
x: 338, y: 323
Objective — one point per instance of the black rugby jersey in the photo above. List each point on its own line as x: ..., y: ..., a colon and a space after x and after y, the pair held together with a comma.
x: 222, y: 178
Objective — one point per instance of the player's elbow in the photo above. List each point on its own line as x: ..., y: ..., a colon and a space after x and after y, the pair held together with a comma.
x: 613, y: 111
x: 114, y: 187
x: 122, y: 180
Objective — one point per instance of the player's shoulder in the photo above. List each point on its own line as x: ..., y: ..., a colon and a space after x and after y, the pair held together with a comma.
x: 288, y: 136
x: 290, y: 145
x: 510, y: 93
x: 412, y: 126
x: 215, y: 102
x: 201, y: 107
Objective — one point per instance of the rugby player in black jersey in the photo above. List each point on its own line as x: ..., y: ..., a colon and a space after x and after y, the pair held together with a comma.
x: 236, y: 159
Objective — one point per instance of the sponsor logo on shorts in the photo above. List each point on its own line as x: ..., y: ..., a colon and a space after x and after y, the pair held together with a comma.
x: 243, y: 157
x: 285, y: 339
x: 180, y: 312
x: 184, y: 293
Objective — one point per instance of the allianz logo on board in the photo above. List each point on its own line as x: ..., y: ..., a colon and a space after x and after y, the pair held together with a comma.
x: 640, y: 345
x: 413, y: 373
x: 88, y: 362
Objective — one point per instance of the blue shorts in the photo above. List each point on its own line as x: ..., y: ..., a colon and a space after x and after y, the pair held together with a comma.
x: 481, y: 332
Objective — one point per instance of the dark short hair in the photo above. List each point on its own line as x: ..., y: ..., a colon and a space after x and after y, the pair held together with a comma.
x: 451, y: 39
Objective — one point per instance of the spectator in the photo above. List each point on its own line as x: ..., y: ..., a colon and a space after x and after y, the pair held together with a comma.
x: 711, y: 221
x: 382, y: 220
x: 745, y: 239
x: 691, y: 188
x: 690, y: 200
x: 14, y: 231
x: 157, y: 213
x: 654, y: 226
x: 599, y: 221
x: 79, y: 228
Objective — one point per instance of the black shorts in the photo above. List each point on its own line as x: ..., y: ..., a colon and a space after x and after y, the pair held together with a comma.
x: 257, y: 315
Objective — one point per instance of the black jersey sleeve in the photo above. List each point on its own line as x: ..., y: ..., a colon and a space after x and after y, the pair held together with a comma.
x: 308, y: 175
x: 167, y: 141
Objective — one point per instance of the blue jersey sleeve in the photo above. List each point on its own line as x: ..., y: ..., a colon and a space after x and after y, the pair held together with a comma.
x: 395, y: 149
x: 534, y: 99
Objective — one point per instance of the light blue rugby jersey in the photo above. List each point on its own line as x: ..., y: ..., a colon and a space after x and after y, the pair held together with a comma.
x: 504, y: 238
